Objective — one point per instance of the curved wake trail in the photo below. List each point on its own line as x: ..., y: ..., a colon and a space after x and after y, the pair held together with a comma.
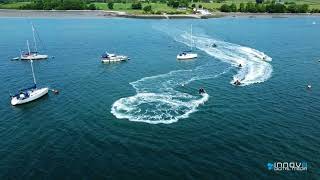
x: 157, y: 101
x: 255, y: 66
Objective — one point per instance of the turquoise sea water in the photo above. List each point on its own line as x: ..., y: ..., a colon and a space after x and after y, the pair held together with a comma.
x: 144, y: 119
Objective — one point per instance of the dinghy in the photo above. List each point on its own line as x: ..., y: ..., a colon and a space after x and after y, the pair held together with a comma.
x: 29, y: 94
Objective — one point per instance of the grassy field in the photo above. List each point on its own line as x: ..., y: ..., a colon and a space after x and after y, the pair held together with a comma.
x: 312, y: 3
x: 16, y: 5
x: 127, y: 7
x: 215, y: 6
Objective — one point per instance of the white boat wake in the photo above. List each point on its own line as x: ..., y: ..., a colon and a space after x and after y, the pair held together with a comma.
x: 157, y: 99
x: 255, y: 66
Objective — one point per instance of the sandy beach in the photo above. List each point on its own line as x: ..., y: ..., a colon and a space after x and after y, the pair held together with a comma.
x: 109, y: 14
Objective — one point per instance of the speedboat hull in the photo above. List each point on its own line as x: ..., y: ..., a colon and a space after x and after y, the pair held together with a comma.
x: 34, y: 57
x: 33, y: 95
x: 187, y: 56
x: 114, y: 59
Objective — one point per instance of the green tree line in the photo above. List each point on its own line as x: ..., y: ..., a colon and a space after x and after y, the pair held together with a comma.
x: 59, y: 5
x: 268, y: 7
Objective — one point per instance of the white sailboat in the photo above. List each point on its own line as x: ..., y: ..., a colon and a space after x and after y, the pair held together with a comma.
x: 33, y: 55
x: 29, y: 94
x: 188, y: 54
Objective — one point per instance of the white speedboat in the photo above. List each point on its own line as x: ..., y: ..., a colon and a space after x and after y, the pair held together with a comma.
x: 33, y: 55
x: 107, y: 58
x: 185, y: 55
x: 29, y: 94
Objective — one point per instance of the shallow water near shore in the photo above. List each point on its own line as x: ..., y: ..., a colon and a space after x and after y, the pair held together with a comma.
x: 144, y: 118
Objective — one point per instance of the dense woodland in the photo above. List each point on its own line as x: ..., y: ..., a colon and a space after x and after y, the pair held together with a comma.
x: 59, y: 5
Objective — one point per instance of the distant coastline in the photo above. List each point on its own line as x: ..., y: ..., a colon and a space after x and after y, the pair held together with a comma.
x: 109, y: 14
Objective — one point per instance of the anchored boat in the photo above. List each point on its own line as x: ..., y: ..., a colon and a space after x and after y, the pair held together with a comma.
x: 29, y: 94
x: 107, y: 58
x: 188, y: 54
x: 33, y: 55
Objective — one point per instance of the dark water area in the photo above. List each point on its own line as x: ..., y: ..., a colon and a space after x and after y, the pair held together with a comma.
x: 144, y: 119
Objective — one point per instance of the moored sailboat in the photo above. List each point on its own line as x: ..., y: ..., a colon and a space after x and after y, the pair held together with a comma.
x: 188, y: 54
x: 29, y: 94
x: 33, y: 55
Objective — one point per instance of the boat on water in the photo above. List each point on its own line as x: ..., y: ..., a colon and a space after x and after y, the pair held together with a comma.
x: 237, y: 83
x: 29, y: 94
x: 108, y: 58
x: 34, y: 54
x: 202, y: 91
x: 185, y: 55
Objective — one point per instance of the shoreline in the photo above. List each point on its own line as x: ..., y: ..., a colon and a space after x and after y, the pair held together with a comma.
x: 11, y: 13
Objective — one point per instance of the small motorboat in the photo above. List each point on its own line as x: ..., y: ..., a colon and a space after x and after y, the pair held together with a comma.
x: 16, y: 58
x: 55, y: 91
x: 29, y: 94
x: 107, y: 58
x: 309, y: 86
x: 187, y: 55
x: 264, y: 58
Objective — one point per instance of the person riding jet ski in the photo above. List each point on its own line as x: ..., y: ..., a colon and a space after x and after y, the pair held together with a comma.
x: 237, y: 83
x: 202, y: 91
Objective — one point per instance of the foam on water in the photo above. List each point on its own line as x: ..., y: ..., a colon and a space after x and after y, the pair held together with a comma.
x: 157, y: 101
x: 255, y: 64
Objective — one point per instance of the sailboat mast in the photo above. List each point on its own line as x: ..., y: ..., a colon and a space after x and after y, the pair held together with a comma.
x: 28, y: 47
x: 34, y: 77
x: 34, y: 38
x: 191, y: 38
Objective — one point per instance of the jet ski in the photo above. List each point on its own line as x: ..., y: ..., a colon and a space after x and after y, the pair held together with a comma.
x: 202, y: 91
x: 237, y: 83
